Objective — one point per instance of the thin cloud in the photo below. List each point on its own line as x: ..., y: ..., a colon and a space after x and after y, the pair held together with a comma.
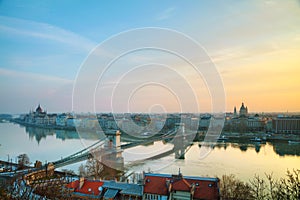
x: 15, y: 26
x: 249, y: 51
x: 32, y: 76
x: 166, y: 14
x: 22, y: 90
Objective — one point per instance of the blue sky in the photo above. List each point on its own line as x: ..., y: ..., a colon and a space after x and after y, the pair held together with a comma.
x: 44, y: 43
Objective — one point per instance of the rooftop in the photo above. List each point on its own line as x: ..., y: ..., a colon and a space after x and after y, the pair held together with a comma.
x: 125, y: 188
x: 164, y: 184
x: 185, y: 177
x: 111, y: 188
x: 89, y: 187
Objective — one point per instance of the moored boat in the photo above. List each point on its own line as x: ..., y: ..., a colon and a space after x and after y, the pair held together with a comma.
x: 293, y: 142
x: 223, y: 138
x: 257, y: 139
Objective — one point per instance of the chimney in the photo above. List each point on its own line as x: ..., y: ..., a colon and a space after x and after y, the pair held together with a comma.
x: 118, y: 139
x: 81, y: 182
x: 169, y: 185
x: 179, y: 173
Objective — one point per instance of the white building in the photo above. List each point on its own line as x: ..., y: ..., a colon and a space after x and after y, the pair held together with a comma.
x: 61, y: 120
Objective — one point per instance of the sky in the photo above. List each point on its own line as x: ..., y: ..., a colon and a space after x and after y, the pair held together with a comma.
x: 47, y: 51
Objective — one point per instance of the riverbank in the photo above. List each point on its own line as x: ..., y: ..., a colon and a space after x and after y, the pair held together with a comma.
x: 269, y: 137
x: 45, y: 126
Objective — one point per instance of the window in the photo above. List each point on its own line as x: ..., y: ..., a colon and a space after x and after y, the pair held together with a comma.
x: 152, y: 197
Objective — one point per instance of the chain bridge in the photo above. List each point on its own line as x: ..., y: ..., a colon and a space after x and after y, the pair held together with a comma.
x: 110, y: 147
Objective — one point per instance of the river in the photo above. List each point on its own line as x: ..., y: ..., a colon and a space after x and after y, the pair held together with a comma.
x: 239, y: 158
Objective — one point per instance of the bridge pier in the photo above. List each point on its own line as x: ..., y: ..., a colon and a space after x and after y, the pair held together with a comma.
x: 111, y: 153
x: 180, y: 141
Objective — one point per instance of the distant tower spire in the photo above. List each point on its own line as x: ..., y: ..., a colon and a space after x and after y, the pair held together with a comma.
x: 243, y: 110
x: 234, y: 111
x: 39, y: 109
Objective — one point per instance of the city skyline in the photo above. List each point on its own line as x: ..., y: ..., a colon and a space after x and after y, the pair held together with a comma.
x: 254, y: 46
x: 235, y: 109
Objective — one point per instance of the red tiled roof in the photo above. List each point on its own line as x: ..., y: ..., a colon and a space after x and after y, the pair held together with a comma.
x: 181, y: 185
x: 203, y: 189
x: 207, y: 190
x: 156, y: 185
x: 89, y: 187
x: 73, y: 185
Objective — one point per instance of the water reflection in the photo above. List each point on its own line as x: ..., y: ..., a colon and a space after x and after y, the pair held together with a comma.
x: 280, y: 148
x: 41, y: 133
x: 38, y: 133
x: 283, y: 149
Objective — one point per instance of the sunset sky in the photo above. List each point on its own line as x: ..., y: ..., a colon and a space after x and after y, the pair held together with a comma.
x: 255, y: 46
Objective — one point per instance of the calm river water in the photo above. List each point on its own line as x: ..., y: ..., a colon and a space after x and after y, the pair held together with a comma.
x: 239, y: 158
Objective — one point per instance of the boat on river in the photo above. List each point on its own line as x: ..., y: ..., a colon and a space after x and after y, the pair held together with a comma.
x: 223, y: 138
x: 257, y: 139
x: 293, y: 142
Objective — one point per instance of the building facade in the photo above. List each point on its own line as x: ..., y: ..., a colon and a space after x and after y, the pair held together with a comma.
x: 290, y: 125
x: 40, y: 117
x: 242, y: 121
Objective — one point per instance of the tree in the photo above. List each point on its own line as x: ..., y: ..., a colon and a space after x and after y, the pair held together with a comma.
x: 288, y: 188
x: 259, y: 188
x: 232, y: 188
x: 94, y: 168
x: 285, y: 188
x: 23, y: 160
